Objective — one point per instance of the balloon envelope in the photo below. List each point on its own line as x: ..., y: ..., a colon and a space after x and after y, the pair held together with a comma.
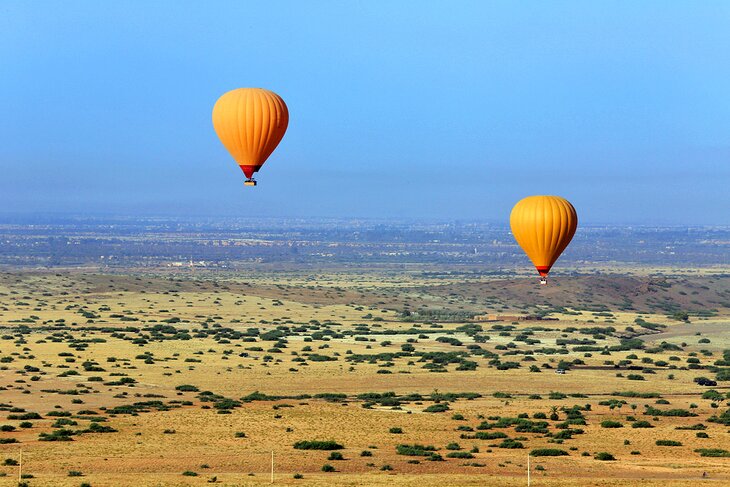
x: 250, y: 122
x: 543, y: 226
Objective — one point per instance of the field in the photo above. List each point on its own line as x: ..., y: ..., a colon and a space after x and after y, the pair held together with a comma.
x: 414, y: 375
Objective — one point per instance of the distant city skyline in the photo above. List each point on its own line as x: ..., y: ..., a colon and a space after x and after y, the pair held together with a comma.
x: 426, y: 110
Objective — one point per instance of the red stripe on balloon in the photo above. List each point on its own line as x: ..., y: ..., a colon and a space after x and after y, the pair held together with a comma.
x: 543, y: 269
x: 249, y: 170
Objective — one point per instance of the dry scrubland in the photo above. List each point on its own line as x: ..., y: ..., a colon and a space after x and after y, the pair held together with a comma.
x: 191, y: 379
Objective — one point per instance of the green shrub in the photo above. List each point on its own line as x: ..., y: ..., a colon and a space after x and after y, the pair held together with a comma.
x: 510, y: 444
x: 25, y: 416
x: 437, y: 408
x: 683, y: 413
x: 643, y: 395
x: 668, y: 443
x: 723, y: 418
x: 548, y: 452
x: 713, y: 452
x: 488, y: 435
x: 57, y: 435
x: 415, y: 450
x: 317, y: 445
x: 604, y: 456
x: 459, y: 454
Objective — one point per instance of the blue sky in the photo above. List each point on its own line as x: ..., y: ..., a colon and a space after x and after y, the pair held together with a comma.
x: 398, y: 109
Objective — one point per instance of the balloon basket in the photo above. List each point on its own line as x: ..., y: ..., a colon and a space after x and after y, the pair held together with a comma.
x: 543, y: 281
x: 250, y: 182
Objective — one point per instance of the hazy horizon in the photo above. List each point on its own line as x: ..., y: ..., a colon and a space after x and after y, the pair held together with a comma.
x: 33, y: 217
x: 399, y: 110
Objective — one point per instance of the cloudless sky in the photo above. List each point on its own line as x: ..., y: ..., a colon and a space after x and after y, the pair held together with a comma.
x: 445, y: 109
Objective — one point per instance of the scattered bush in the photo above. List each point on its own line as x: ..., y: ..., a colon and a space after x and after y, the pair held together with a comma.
x: 548, y: 452
x: 459, y: 454
x: 668, y: 443
x: 415, y: 450
x: 713, y: 452
x: 317, y: 445
x: 437, y: 408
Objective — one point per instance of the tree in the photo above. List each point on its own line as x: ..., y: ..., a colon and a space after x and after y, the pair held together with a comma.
x: 554, y: 413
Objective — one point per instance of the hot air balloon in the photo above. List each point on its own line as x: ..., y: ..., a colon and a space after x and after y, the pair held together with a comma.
x: 543, y: 226
x: 250, y: 122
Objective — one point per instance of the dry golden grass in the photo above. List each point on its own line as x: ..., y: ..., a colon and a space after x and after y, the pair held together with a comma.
x: 141, y: 453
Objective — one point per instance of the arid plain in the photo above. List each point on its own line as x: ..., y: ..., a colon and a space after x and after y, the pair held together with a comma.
x: 364, y: 377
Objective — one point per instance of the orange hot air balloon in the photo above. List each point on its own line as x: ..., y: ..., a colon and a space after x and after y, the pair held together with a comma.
x: 250, y: 122
x: 543, y: 226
